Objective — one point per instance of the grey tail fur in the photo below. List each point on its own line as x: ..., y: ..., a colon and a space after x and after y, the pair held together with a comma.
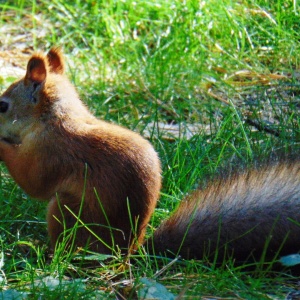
x: 248, y: 215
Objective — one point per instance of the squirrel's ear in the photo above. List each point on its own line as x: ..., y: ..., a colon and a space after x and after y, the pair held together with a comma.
x: 56, y: 61
x: 36, y: 69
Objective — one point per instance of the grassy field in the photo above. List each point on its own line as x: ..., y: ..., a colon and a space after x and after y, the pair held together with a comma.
x: 208, y: 82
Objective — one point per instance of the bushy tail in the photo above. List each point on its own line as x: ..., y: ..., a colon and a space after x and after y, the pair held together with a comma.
x: 247, y: 215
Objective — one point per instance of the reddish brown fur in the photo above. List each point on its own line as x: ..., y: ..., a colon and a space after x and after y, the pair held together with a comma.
x: 237, y: 216
x: 57, y: 150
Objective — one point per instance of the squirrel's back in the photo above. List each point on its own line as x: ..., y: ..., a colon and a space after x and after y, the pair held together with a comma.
x: 249, y: 214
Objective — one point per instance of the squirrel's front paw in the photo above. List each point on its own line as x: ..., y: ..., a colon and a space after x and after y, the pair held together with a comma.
x: 11, y: 140
x: 6, y: 146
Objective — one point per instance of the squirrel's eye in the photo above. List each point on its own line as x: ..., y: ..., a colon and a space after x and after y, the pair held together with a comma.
x: 3, y: 107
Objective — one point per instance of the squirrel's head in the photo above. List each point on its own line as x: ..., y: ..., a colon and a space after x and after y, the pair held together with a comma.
x: 34, y: 98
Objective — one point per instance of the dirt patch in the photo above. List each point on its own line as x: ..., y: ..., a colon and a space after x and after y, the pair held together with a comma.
x: 13, y: 62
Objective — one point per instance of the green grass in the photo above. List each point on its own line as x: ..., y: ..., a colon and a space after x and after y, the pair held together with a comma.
x: 139, y: 63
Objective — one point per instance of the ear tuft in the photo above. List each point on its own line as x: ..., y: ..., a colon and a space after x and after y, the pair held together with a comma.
x: 56, y: 61
x: 36, y: 69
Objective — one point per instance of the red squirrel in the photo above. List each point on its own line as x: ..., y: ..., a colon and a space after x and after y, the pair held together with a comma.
x: 55, y: 149
x: 107, y: 179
